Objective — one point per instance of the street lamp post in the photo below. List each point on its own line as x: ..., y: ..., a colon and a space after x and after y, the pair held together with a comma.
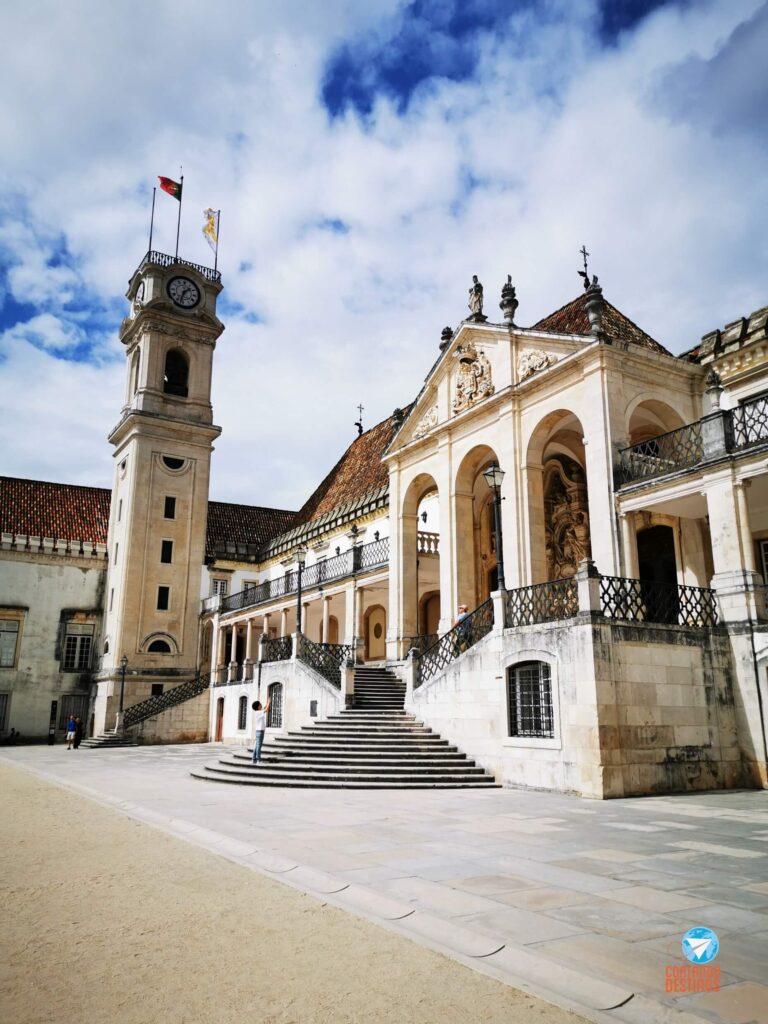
x: 123, y: 666
x: 493, y: 477
x: 301, y: 557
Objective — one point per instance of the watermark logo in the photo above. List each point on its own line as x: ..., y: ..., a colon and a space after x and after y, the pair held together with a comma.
x: 700, y: 947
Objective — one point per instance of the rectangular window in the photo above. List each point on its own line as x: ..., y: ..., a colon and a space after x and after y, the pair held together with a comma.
x: 9, y: 636
x: 3, y: 709
x: 157, y: 690
x: 170, y: 508
x: 78, y: 645
x: 111, y: 598
x: 166, y: 552
x: 219, y: 588
x: 163, y: 598
x: 242, y: 713
x: 530, y: 700
x: 120, y: 510
x: 116, y: 547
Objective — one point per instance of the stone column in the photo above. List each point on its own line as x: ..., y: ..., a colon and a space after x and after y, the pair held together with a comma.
x: 360, y: 624
x: 249, y: 633
x: 349, y: 613
x: 629, y: 545
x: 326, y: 617
x: 735, y: 580
x: 216, y: 648
x: 283, y: 622
x: 747, y: 546
x: 232, y: 673
x: 265, y: 624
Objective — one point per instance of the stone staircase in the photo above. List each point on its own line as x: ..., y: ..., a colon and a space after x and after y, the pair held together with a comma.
x: 373, y: 745
x: 111, y: 739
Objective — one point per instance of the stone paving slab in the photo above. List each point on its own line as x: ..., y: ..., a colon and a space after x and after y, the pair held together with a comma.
x: 592, y: 894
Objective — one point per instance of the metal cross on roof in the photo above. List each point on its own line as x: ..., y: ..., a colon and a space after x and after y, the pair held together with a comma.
x: 584, y: 253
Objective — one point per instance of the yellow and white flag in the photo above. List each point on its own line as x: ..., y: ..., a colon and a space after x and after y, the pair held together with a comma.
x: 211, y: 228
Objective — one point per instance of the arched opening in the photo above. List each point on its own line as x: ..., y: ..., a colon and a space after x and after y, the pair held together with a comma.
x: 558, y: 501
x: 176, y: 376
x: 649, y: 419
x: 219, y: 728
x: 159, y: 647
x: 275, y: 714
x: 106, y: 646
x: 375, y: 633
x: 476, y: 556
x: 135, y: 366
x: 206, y: 645
x: 429, y: 616
x: 419, y: 552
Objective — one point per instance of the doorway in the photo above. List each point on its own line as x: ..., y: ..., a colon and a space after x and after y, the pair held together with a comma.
x: 376, y: 634
x: 219, y: 719
x: 657, y: 565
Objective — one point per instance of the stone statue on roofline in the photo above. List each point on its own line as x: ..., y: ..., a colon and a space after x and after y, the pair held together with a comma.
x: 476, y: 302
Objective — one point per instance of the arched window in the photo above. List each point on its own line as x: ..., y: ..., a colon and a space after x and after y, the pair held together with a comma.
x: 242, y: 713
x: 159, y: 647
x: 275, y: 716
x: 176, y: 374
x: 106, y: 646
x: 135, y: 371
x: 530, y: 699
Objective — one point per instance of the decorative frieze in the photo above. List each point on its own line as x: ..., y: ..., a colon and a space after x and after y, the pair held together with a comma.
x: 532, y: 361
x: 427, y: 421
x: 473, y: 381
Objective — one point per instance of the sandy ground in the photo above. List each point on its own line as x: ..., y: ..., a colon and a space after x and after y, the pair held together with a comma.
x: 106, y: 919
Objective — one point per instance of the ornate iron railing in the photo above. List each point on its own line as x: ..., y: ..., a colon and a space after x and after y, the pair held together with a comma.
x: 427, y: 543
x: 542, y: 602
x: 666, y: 603
x: 162, y: 259
x: 154, y: 705
x: 327, y: 659
x: 358, y: 559
x: 421, y: 643
x: 456, y: 641
x: 667, y: 453
x: 750, y: 422
x: 278, y: 648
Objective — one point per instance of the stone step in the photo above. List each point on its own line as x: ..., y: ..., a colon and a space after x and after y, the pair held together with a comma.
x: 436, y: 759
x: 258, y: 775
x: 293, y: 767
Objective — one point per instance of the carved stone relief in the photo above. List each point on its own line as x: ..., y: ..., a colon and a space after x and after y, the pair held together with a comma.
x: 533, y: 361
x: 473, y: 381
x: 566, y: 517
x: 427, y: 421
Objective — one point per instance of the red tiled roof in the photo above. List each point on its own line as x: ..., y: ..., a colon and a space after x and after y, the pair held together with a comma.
x: 573, y: 319
x: 357, y: 472
x: 36, y: 508
x: 243, y: 524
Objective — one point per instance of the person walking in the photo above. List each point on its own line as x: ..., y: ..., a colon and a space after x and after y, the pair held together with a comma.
x: 71, y: 724
x: 78, y: 732
x: 260, y: 724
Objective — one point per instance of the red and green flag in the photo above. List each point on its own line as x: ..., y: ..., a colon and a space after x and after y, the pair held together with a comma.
x: 173, y: 188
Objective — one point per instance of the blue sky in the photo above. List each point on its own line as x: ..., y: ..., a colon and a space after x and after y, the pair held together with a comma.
x: 368, y: 159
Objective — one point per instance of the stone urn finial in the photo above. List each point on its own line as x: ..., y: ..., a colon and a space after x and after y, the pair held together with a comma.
x: 713, y: 388
x: 595, y: 308
x: 446, y: 337
x: 509, y: 303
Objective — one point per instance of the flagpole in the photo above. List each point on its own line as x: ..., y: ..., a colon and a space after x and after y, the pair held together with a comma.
x: 218, y: 230
x: 178, y: 223
x: 152, y: 219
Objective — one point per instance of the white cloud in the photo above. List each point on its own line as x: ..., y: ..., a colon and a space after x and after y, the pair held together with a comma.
x: 566, y: 143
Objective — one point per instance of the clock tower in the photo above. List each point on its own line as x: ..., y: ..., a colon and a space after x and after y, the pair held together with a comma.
x: 163, y: 443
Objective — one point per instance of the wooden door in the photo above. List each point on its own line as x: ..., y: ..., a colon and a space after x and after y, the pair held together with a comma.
x: 219, y: 719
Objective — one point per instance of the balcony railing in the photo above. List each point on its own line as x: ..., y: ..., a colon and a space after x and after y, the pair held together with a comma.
x: 664, y: 603
x: 279, y: 648
x: 348, y: 563
x: 543, y: 602
x: 456, y: 641
x: 326, y: 659
x: 162, y: 259
x: 428, y: 543
x: 713, y: 436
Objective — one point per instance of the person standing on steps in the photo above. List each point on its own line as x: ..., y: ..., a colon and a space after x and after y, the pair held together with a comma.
x: 70, y: 731
x: 260, y: 724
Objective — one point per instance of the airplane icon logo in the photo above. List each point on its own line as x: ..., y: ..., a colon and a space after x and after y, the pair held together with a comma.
x: 700, y: 945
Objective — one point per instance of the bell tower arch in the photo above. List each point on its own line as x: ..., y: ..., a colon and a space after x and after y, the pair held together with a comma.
x: 162, y: 449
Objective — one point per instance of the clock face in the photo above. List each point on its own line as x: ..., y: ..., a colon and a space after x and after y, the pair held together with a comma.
x: 183, y: 292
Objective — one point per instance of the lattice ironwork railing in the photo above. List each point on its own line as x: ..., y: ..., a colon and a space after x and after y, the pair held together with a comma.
x: 326, y: 659
x: 162, y: 259
x: 279, y: 648
x: 542, y: 602
x: 667, y: 453
x: 358, y: 559
x: 421, y: 643
x: 456, y: 641
x: 154, y: 705
x: 666, y: 603
x: 750, y: 422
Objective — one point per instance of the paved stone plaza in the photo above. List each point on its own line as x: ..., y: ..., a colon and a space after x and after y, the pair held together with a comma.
x: 582, y: 902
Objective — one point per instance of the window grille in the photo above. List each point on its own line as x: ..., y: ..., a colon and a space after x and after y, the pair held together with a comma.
x: 73, y: 705
x: 9, y: 636
x: 78, y: 644
x: 3, y: 709
x: 242, y: 712
x: 275, y: 713
x: 530, y: 700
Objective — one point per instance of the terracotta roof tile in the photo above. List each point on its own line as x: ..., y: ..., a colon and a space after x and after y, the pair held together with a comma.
x: 242, y: 525
x: 572, y: 319
x: 36, y: 508
x: 357, y: 472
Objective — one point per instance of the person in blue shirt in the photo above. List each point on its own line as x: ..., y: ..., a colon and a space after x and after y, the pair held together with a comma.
x: 71, y: 726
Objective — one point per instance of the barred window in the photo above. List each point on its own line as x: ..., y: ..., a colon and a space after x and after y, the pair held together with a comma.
x: 78, y: 643
x: 3, y: 709
x: 9, y: 635
x: 275, y: 715
x: 73, y: 705
x: 530, y: 700
x: 242, y: 712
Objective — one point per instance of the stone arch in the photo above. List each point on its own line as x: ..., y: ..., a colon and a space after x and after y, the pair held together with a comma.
x: 558, y: 505
x: 414, y: 569
x: 154, y: 638
x: 475, y: 543
x: 135, y: 369
x: 176, y: 373
x: 375, y: 632
x: 648, y: 417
